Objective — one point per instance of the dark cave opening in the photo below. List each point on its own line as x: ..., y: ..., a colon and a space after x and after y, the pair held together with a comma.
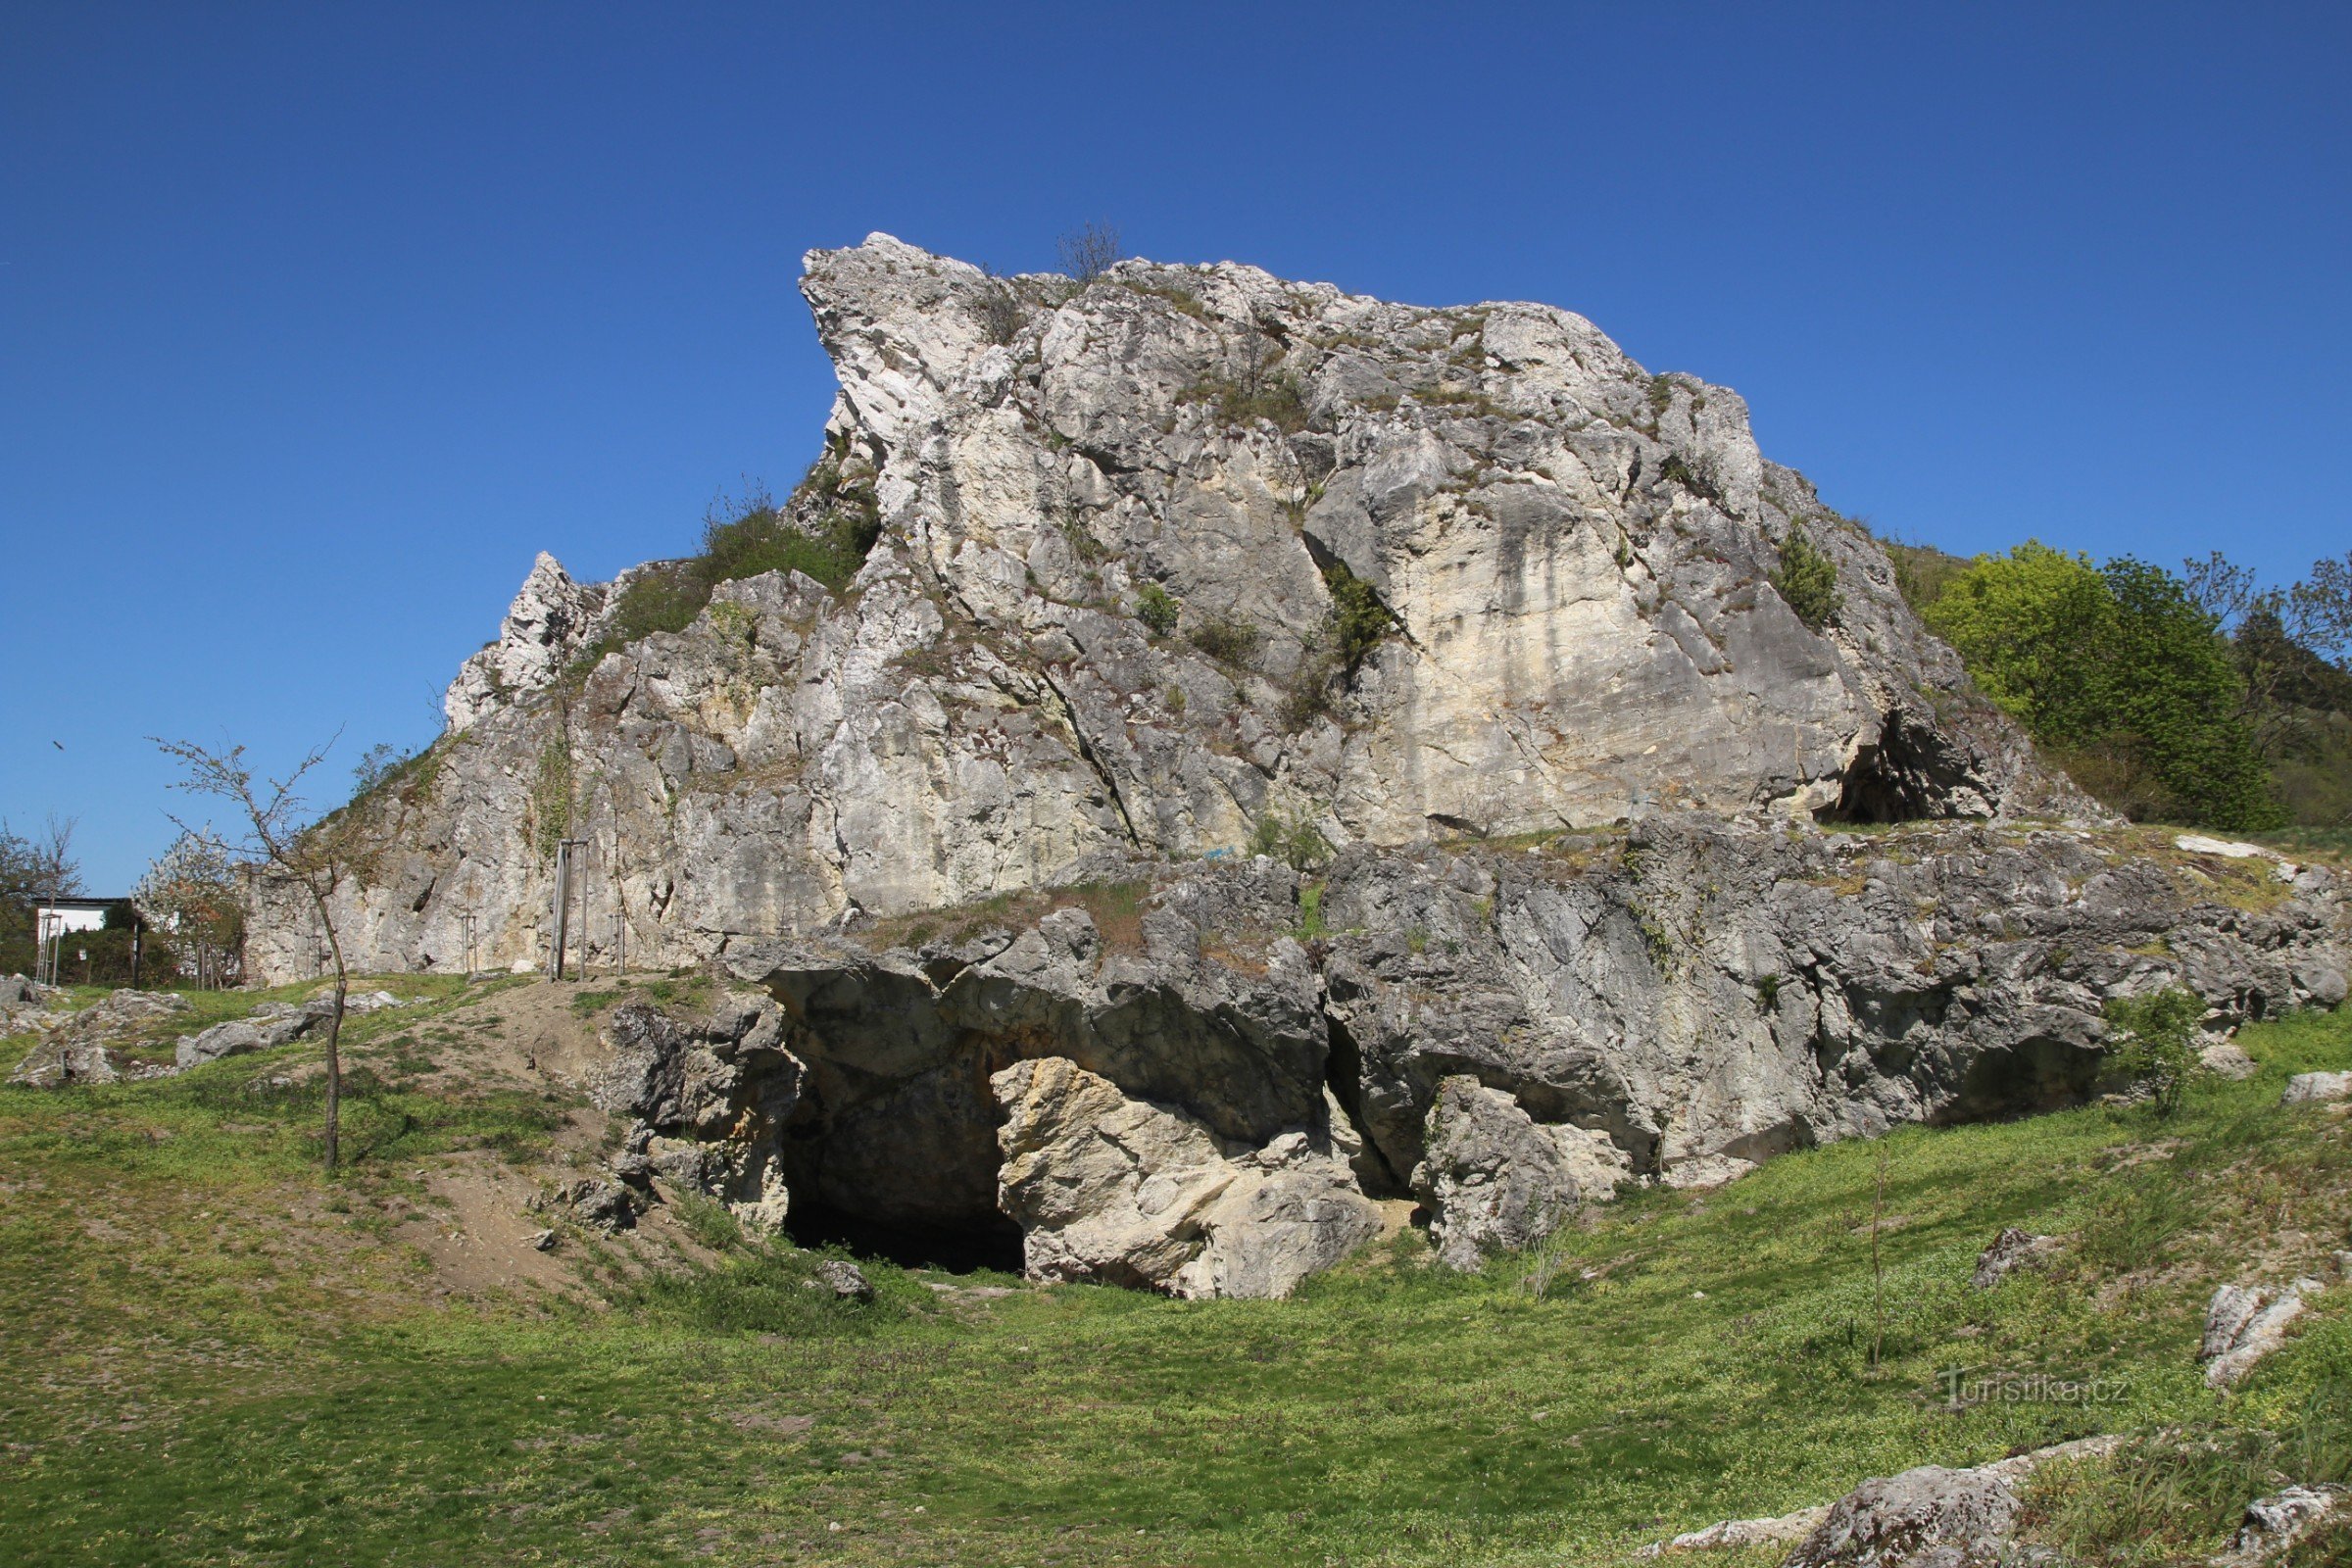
x: 1892, y: 779
x: 1344, y: 1071
x: 903, y: 1168
x: 964, y: 1247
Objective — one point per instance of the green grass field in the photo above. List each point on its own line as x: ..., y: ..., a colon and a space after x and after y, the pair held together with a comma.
x: 215, y: 1356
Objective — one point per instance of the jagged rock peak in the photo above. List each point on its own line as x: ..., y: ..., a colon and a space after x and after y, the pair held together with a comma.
x: 541, y: 630
x: 1171, y: 557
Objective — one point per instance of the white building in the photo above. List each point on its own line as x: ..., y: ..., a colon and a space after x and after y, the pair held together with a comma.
x: 53, y: 915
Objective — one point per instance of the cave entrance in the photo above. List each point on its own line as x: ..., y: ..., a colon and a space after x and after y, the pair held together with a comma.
x: 992, y: 1243
x: 901, y: 1167
x: 1894, y: 779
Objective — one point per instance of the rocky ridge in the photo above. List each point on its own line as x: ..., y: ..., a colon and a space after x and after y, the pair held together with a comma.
x: 1166, y: 1078
x: 1137, y: 539
x: 1185, y: 562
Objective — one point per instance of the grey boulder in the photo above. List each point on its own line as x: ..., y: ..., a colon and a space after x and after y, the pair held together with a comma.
x: 2012, y: 1249
x: 1492, y: 1178
x: 2316, y: 1088
x: 1930, y: 1517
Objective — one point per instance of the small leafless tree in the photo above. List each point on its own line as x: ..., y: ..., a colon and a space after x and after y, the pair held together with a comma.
x: 272, y: 840
x: 1090, y: 251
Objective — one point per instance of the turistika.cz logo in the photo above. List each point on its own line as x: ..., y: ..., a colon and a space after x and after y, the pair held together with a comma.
x: 1962, y: 1388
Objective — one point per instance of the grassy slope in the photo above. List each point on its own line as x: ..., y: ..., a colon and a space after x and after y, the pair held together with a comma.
x: 213, y: 1358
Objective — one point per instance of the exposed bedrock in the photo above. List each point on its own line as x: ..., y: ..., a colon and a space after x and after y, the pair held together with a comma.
x: 1101, y: 616
x: 1202, y: 1096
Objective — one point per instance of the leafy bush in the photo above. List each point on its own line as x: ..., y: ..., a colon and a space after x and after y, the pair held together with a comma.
x: 2156, y: 1043
x: 827, y: 531
x: 1359, y: 621
x: 2119, y: 669
x: 1157, y: 608
x: 1227, y: 638
x: 1294, y: 841
x: 1807, y: 580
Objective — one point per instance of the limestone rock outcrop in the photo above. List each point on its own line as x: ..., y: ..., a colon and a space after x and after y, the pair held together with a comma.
x: 1463, y: 609
x: 1119, y: 1190
x: 1556, y: 571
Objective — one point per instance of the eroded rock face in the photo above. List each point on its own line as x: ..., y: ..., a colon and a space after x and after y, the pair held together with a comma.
x: 1575, y: 556
x: 1097, y: 643
x: 1491, y: 1179
x: 1194, y: 1080
x: 711, y: 1101
x: 1124, y: 1192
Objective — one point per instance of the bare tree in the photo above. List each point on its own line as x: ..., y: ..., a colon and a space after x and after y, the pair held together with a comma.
x: 1090, y: 251
x: 34, y: 867
x: 2318, y: 611
x: 274, y: 841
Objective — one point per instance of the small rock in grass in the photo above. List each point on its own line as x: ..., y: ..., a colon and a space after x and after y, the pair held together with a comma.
x: 2316, y: 1088
x: 2242, y: 1325
x: 2012, y: 1249
x: 1949, y: 1518
x: 846, y: 1280
x: 2273, y: 1523
x: 543, y: 1240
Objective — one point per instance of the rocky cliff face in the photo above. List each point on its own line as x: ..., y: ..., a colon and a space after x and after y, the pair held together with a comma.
x: 1179, y: 1077
x: 1186, y: 553
x: 1570, y: 557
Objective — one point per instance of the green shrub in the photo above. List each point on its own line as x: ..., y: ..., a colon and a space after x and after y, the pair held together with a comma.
x: 1157, y: 608
x: 1806, y: 580
x: 1359, y: 621
x: 2156, y: 1043
x: 2120, y: 671
x: 1227, y: 638
x: 1294, y: 841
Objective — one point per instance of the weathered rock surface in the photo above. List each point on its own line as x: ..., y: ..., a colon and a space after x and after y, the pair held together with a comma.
x: 1123, y: 1192
x: 1930, y: 1517
x: 2316, y: 1088
x: 846, y: 1280
x: 1576, y: 555
x: 2244, y: 1324
x: 2011, y: 1251
x: 2273, y: 1523
x: 84, y: 1046
x: 1491, y: 1178
x: 1927, y: 1516
x: 819, y: 793
x: 710, y: 1100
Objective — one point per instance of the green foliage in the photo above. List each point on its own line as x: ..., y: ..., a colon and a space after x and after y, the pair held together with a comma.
x: 1295, y: 841
x: 2120, y: 672
x: 1262, y: 392
x: 767, y: 1289
x: 2156, y: 1043
x: 833, y: 525
x: 552, y: 801
x: 1806, y: 580
x: 707, y: 1221
x: 825, y: 530
x: 1922, y: 572
x: 1678, y: 471
x: 1359, y: 621
x: 1157, y: 608
x: 1226, y: 638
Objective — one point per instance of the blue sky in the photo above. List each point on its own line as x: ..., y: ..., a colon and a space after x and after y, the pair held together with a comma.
x: 317, y: 322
